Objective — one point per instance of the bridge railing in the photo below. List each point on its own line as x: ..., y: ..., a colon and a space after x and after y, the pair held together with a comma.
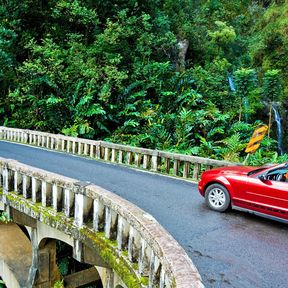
x: 138, y: 237
x: 186, y: 166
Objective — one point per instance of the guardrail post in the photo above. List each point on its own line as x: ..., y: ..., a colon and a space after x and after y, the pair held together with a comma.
x: 83, y: 204
x: 154, y: 161
x: 46, y: 193
x: 1, y: 133
x: 98, y: 215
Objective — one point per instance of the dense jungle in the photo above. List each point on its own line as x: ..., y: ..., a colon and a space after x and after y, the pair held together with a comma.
x: 195, y: 77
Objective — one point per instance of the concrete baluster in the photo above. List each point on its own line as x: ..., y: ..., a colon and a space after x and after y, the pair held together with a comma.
x: 26, y: 137
x: 196, y: 171
x: 39, y: 141
x: 98, y: 150
x: 79, y: 148
x: 167, y: 165
x: 186, y: 169
x: 137, y: 159
x: 85, y: 149
x: 133, y: 245
x: 17, y: 182
x: 154, y: 266
x: 106, y: 154
x: 5, y: 175
x: 63, y: 144
x: 129, y: 158
x: 113, y: 155
x: 47, y: 141
x: 68, y: 202
x: 52, y: 143
x: 176, y: 167
x: 73, y: 147
x: 79, y: 209
x: 122, y: 233
x: 36, y: 192
x: 42, y: 141
x: 46, y: 192
x: 143, y: 262
x: 162, y: 281
x: 120, y: 156
x: 98, y: 215
x: 110, y: 223
x: 57, y: 147
x: 1, y: 177
x: 56, y: 197
x: 92, y: 150
x: 154, y: 161
x: 68, y: 146
x: 26, y: 182
x: 145, y: 161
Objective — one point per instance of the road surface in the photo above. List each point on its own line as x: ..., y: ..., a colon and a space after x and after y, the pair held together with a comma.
x: 233, y: 249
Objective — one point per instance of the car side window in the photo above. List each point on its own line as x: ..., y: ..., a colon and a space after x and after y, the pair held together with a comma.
x: 278, y: 175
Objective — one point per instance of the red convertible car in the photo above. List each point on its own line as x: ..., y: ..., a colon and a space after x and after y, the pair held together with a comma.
x: 263, y: 191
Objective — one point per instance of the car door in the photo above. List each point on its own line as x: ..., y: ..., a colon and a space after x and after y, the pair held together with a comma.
x: 269, y: 196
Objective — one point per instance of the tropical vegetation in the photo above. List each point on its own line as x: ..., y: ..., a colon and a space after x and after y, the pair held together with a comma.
x: 194, y: 77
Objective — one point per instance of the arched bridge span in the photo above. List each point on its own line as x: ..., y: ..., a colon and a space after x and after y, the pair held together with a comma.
x: 107, y: 231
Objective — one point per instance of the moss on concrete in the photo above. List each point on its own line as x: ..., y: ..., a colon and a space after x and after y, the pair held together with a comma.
x: 106, y: 248
x: 118, y: 262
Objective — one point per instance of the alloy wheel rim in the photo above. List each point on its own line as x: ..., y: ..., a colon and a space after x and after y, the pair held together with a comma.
x: 217, y: 197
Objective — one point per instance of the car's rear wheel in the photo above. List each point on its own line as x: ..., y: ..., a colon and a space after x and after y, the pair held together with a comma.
x: 217, y: 197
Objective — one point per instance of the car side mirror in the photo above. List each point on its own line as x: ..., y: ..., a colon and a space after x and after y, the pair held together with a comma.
x: 263, y: 177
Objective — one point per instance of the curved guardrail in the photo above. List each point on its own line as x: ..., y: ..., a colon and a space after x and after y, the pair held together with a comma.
x: 136, y: 246
x: 188, y: 167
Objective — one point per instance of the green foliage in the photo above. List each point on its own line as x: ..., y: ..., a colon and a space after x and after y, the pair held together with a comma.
x: 223, y: 35
x: 59, y: 284
x: 232, y: 148
x: 4, y: 217
x: 248, y: 96
x: 107, y: 70
x: 63, y: 265
x: 272, y: 87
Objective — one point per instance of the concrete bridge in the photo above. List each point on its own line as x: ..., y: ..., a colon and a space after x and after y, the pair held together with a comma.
x: 126, y: 246
x: 213, y: 240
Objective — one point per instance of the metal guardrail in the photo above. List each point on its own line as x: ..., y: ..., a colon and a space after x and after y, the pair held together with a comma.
x: 185, y: 166
x: 138, y: 237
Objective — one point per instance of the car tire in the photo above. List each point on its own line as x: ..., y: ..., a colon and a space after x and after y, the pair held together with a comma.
x: 217, y: 197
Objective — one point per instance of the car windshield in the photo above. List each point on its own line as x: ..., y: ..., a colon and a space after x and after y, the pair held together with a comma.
x: 256, y: 171
x: 280, y: 166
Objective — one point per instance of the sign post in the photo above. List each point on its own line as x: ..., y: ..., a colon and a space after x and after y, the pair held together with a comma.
x: 255, y: 140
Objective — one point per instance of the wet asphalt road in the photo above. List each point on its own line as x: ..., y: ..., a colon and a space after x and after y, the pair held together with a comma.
x: 231, y: 249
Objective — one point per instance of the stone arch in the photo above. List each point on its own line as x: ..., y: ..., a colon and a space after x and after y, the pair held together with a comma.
x: 16, y: 259
x: 8, y: 276
x: 77, y: 271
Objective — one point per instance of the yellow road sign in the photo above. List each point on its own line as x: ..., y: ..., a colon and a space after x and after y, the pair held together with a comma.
x: 256, y: 139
